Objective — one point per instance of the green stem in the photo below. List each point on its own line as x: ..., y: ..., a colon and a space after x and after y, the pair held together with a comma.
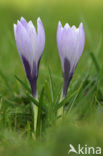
x: 35, y: 114
x: 61, y: 109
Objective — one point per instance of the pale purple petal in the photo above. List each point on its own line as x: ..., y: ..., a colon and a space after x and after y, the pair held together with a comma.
x: 70, y: 43
x: 80, y: 44
x: 30, y: 45
x: 41, y: 37
x: 23, y: 42
x: 23, y: 22
x: 34, y: 42
x: 59, y: 39
x: 82, y: 38
x: 31, y: 28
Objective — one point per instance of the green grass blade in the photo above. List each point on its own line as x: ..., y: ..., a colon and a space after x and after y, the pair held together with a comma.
x: 5, y: 79
x: 7, y: 84
x: 58, y: 98
x: 95, y: 61
x: 23, y: 84
x: 33, y: 100
x: 64, y: 101
x: 39, y: 120
x: 51, y: 86
x: 74, y: 100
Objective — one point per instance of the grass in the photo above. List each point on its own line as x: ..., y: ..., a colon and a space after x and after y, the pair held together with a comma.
x: 82, y: 122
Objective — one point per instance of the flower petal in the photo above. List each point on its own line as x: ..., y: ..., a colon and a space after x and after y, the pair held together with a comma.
x: 70, y: 43
x: 15, y: 29
x: 59, y: 37
x: 23, y: 43
x: 34, y: 43
x: 41, y: 37
x: 23, y: 22
x: 30, y: 45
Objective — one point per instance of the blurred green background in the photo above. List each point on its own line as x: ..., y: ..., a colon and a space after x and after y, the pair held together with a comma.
x: 83, y: 125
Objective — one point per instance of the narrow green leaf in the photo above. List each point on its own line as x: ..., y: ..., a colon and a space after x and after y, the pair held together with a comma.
x: 51, y: 86
x: 23, y: 84
x: 33, y: 100
x: 7, y: 84
x: 64, y: 101
x: 5, y: 79
x: 39, y: 120
x: 9, y: 102
x: 88, y: 32
x: 58, y: 98
x: 94, y: 59
x: 74, y: 100
x: 98, y: 46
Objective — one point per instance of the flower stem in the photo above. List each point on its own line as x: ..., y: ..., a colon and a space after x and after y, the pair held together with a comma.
x: 35, y: 116
x: 61, y: 109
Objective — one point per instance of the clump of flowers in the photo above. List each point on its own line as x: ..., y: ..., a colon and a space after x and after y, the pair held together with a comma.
x: 30, y: 44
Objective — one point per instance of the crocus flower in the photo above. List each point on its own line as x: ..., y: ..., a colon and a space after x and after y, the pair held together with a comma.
x: 70, y: 43
x: 30, y: 44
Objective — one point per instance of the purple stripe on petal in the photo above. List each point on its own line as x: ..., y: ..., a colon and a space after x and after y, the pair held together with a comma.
x: 32, y: 76
x: 66, y: 69
x: 33, y: 80
x: 67, y: 76
x: 27, y: 67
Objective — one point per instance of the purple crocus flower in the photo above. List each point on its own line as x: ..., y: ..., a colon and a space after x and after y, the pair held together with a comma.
x: 30, y: 45
x: 70, y: 43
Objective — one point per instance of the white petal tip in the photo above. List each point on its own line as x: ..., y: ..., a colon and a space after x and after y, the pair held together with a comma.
x: 38, y: 20
x: 22, y: 18
x: 81, y: 25
x: 14, y: 25
x: 18, y: 22
x: 59, y: 24
x: 30, y: 22
x: 74, y: 27
x: 66, y: 26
